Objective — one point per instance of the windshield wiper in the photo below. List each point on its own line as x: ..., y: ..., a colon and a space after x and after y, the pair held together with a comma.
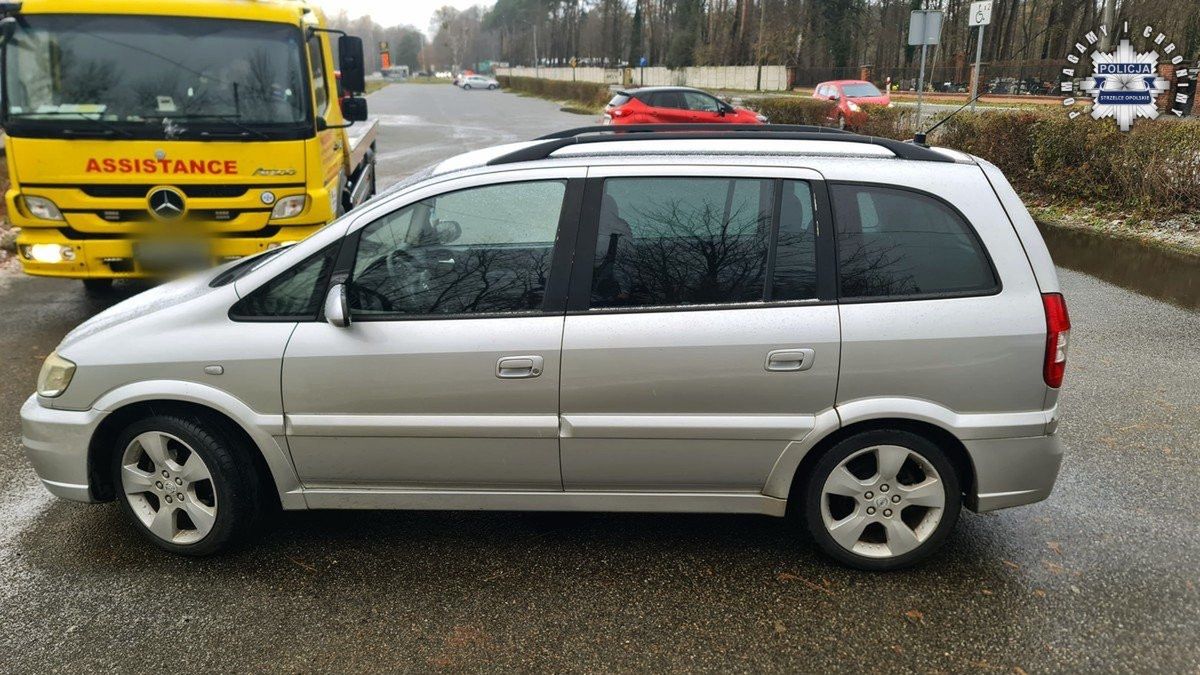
x: 109, y: 128
x: 235, y: 120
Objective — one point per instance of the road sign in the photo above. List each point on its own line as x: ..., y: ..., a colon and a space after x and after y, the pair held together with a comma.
x: 643, y: 62
x: 981, y: 13
x: 573, y: 62
x: 924, y: 27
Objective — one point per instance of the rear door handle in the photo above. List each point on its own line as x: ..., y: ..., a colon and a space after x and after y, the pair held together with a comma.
x: 514, y: 367
x: 790, y: 360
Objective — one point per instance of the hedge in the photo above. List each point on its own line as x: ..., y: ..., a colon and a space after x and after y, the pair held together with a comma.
x: 1154, y: 167
x: 587, y: 94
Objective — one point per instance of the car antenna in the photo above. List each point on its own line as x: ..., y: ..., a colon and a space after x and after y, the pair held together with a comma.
x: 919, y: 137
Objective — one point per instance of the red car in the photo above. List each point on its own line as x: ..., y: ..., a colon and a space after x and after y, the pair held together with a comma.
x: 850, y: 96
x: 674, y: 105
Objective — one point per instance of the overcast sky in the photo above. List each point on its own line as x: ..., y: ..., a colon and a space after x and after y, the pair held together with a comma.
x: 393, y: 12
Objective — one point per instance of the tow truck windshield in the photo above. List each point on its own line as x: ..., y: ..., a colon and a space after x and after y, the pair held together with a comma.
x: 156, y: 77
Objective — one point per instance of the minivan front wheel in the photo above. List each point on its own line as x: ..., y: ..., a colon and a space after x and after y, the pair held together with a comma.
x: 180, y: 483
x: 882, y: 499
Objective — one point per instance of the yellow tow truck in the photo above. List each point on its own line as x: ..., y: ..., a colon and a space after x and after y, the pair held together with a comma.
x: 147, y: 136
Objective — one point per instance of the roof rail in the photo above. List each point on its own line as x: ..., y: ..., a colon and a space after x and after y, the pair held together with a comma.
x: 551, y: 143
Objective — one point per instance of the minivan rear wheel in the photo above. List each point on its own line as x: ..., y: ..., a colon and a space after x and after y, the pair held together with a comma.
x: 882, y: 499
x: 184, y: 484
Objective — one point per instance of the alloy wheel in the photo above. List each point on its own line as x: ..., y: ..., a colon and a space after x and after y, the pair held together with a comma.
x: 169, y: 487
x: 882, y: 501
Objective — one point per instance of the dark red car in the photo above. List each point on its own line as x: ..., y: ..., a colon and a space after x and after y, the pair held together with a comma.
x: 850, y: 96
x: 674, y: 105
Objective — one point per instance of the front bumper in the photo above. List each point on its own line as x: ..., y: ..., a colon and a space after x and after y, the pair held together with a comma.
x: 56, y: 443
x: 1013, y: 471
x: 115, y: 259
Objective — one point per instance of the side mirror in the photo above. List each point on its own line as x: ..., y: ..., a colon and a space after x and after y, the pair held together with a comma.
x: 352, y: 64
x: 354, y: 109
x: 834, y: 97
x: 8, y: 26
x: 337, y: 308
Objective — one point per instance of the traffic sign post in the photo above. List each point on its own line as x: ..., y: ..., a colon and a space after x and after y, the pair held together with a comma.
x: 981, y: 15
x: 924, y: 28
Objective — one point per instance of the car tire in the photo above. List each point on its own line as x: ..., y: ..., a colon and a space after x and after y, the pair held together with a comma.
x: 881, y: 500
x: 466, y: 87
x: 182, y: 506
x: 491, y: 87
x: 97, y: 288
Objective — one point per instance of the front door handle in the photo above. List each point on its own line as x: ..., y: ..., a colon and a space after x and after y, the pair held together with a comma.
x: 514, y: 367
x: 790, y: 360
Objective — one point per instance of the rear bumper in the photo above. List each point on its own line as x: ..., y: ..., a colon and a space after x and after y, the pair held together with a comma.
x: 114, y: 258
x: 56, y: 443
x: 1013, y: 471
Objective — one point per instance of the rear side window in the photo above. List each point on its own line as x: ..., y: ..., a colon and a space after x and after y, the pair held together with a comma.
x: 294, y: 295
x: 898, y: 243
x: 681, y: 241
x: 668, y: 99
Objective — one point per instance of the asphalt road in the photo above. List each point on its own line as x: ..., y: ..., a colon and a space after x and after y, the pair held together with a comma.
x: 1102, y: 577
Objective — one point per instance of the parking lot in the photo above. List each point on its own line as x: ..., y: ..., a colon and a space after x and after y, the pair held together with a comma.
x: 1103, y: 576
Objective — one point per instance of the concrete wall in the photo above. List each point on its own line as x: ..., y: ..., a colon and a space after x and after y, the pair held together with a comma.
x: 774, y: 78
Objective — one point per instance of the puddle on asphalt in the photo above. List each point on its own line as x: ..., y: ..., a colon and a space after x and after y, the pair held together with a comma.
x: 1161, y: 274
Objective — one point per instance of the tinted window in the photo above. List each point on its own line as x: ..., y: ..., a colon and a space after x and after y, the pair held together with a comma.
x: 899, y: 243
x: 795, y: 272
x: 668, y: 99
x: 619, y: 99
x: 681, y: 241
x: 481, y: 250
x: 295, y: 294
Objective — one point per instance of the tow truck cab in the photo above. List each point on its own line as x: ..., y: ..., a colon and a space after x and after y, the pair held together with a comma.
x: 145, y: 134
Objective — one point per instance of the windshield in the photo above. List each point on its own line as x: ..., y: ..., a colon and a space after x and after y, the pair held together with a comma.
x: 861, y: 90
x: 156, y: 77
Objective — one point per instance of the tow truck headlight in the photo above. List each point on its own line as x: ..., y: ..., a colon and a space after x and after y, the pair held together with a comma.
x: 289, y: 207
x: 47, y: 253
x: 40, y: 207
x: 55, y: 376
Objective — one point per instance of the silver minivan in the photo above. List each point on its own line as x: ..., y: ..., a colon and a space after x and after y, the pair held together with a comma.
x: 862, y: 333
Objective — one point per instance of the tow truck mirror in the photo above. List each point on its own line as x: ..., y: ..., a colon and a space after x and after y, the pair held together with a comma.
x: 351, y: 63
x: 8, y: 26
x: 354, y: 109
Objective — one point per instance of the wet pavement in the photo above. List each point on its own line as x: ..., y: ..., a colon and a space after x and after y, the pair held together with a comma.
x: 1102, y: 577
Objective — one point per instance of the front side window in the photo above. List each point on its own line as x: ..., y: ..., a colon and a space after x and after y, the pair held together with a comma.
x: 681, y: 241
x: 319, y: 84
x: 900, y: 243
x: 296, y: 294
x: 155, y: 77
x: 476, y: 251
x: 702, y: 102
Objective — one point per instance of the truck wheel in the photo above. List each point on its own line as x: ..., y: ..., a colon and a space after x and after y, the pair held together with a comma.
x: 882, y: 499
x: 97, y: 288
x: 185, y: 484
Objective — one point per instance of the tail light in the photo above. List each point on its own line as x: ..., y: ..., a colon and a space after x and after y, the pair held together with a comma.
x: 1058, y: 334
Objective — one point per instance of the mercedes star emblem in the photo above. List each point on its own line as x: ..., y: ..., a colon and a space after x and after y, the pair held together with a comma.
x: 166, y: 203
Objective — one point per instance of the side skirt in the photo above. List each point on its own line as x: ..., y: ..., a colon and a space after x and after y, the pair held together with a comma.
x: 481, y: 500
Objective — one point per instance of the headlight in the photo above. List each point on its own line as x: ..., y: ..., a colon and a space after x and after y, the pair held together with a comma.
x: 289, y: 207
x: 763, y: 119
x: 853, y: 106
x: 47, y: 253
x: 891, y: 105
x: 55, y: 376
x: 40, y: 207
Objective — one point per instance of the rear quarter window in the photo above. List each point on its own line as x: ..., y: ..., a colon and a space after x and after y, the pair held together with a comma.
x: 895, y: 243
x: 619, y: 99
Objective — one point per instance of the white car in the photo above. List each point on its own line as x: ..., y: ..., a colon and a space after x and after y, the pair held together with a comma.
x: 478, y: 82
